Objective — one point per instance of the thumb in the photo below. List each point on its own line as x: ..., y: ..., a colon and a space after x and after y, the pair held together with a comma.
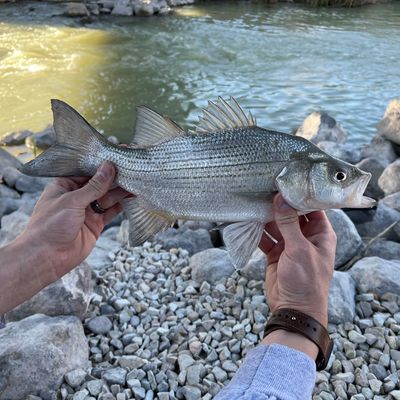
x: 98, y: 185
x: 287, y: 220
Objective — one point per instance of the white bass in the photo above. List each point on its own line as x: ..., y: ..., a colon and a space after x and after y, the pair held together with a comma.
x: 227, y: 171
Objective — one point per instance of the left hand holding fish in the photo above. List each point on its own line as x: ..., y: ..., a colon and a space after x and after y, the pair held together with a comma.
x: 65, y: 221
x: 61, y: 233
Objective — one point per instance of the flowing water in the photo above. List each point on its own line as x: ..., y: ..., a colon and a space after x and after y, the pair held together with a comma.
x: 280, y: 61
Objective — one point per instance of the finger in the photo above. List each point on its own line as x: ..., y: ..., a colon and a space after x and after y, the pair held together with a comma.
x: 287, y: 220
x: 97, y: 186
x: 79, y: 180
x: 112, y: 197
x: 111, y: 213
x: 318, y: 223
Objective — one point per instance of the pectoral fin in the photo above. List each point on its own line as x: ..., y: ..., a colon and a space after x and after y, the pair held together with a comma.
x: 241, y: 239
x: 143, y: 222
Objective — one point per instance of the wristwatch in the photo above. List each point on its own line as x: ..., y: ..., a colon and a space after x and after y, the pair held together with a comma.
x: 295, y: 321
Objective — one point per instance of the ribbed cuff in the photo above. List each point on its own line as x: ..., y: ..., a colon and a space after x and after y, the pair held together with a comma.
x: 274, y: 371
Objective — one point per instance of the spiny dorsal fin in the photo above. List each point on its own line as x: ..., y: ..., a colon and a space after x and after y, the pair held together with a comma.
x: 223, y: 115
x: 151, y: 128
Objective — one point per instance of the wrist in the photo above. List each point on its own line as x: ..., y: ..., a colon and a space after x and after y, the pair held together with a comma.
x: 41, y: 258
x: 320, y: 314
x: 293, y: 340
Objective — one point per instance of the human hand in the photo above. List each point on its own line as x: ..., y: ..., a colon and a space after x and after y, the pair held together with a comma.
x: 301, y: 264
x: 64, y: 225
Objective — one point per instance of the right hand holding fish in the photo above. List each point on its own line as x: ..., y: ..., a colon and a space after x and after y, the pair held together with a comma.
x: 301, y: 264
x: 299, y: 271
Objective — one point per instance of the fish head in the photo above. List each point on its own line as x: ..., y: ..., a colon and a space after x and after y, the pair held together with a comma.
x: 325, y: 182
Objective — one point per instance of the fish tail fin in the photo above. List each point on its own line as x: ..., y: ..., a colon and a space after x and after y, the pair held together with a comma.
x: 77, y: 147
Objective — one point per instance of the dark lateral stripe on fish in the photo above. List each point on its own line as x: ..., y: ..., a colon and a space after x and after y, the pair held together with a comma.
x: 195, y: 168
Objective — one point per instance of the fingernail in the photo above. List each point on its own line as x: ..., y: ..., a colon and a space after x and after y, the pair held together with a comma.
x: 105, y: 170
x: 282, y: 205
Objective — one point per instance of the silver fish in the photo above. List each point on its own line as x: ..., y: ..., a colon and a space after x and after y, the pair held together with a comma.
x: 227, y: 171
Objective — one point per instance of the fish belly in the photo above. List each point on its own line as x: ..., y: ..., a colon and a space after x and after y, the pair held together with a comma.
x: 201, y: 195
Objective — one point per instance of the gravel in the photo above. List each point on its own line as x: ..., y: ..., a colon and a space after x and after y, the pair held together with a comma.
x: 167, y: 336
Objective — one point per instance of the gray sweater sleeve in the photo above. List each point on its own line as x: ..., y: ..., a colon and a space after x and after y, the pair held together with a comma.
x: 273, y: 372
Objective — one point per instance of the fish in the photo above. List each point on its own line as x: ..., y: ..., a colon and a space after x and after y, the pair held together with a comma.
x: 227, y: 171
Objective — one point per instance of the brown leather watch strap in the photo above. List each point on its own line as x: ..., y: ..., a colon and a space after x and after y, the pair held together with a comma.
x: 295, y: 321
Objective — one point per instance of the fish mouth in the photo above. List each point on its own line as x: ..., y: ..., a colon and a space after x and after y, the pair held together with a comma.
x: 357, y: 200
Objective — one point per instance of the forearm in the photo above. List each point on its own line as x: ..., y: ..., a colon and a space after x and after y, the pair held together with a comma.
x: 24, y: 270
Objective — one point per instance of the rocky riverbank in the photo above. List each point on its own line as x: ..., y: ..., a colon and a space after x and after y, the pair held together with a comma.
x: 88, y: 11
x: 172, y: 319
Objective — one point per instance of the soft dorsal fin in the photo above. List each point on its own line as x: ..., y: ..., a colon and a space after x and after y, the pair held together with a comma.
x: 151, y: 128
x: 223, y: 115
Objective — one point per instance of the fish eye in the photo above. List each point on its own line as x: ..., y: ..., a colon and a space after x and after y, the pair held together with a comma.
x: 340, y: 176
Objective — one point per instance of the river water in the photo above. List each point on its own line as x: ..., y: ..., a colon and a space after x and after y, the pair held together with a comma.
x: 280, y: 61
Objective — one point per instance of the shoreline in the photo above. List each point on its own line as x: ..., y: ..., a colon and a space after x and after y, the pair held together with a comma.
x: 90, y: 11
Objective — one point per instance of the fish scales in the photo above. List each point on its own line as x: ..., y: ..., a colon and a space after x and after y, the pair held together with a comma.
x: 196, y: 173
x: 227, y: 171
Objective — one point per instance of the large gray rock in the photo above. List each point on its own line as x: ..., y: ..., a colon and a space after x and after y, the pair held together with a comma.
x: 24, y: 183
x: 382, y: 217
x: 193, y: 241
x: 70, y: 295
x: 9, y: 205
x: 28, y: 202
x: 37, y: 352
x: 389, y: 126
x: 375, y: 167
x: 142, y: 9
x: 47, y: 137
x: 386, y: 249
x: 10, y: 175
x: 122, y: 7
x: 392, y: 201
x: 75, y: 10
x: 107, y: 4
x: 349, y: 242
x: 8, y: 160
x: 256, y: 267
x: 319, y: 126
x: 376, y: 275
x: 99, y: 257
x: 6, y: 191
x: 12, y: 225
x: 381, y: 149
x: 211, y: 265
x: 15, y: 138
x: 3, y: 208
x: 342, y: 292
x: 343, y: 151
x: 211, y: 227
x: 389, y: 181
x: 31, y: 184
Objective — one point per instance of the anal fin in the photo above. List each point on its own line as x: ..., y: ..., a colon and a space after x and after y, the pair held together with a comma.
x: 143, y: 222
x: 241, y: 240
